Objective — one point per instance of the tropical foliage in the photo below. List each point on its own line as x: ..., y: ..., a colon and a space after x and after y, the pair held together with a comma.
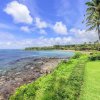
x: 93, y: 15
x: 85, y: 46
x: 94, y: 56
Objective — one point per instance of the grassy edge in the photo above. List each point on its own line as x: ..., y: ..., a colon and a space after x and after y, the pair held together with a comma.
x: 91, y: 91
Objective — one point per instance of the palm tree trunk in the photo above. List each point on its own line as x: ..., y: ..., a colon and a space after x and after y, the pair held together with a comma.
x: 99, y: 32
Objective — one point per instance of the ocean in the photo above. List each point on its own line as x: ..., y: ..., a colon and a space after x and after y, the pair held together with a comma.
x: 17, y: 58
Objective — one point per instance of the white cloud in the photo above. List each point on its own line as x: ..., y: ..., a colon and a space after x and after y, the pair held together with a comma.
x: 76, y: 36
x: 5, y: 36
x: 25, y: 29
x: 40, y: 24
x: 30, y: 30
x: 83, y: 35
x: 10, y: 41
x: 19, y: 12
x: 42, y: 31
x: 60, y: 28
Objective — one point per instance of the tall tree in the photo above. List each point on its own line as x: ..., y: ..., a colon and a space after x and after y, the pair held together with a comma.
x: 93, y: 16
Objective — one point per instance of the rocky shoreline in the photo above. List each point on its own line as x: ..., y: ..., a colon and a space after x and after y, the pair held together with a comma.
x: 32, y: 69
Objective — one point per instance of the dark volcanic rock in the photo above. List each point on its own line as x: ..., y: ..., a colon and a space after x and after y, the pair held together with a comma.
x: 25, y: 70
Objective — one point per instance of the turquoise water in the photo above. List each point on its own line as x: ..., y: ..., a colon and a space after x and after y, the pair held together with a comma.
x: 9, y: 56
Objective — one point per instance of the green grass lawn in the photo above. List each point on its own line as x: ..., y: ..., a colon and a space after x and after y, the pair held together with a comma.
x: 91, y: 87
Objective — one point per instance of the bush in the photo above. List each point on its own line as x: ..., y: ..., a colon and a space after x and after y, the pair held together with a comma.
x: 94, y: 56
x: 77, y: 55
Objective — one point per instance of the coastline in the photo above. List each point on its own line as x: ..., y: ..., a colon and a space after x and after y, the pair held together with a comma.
x: 30, y: 72
x: 75, y: 51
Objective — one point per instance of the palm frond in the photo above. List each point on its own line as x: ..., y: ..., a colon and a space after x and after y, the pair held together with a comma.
x: 91, y: 28
x: 92, y: 16
x: 89, y: 4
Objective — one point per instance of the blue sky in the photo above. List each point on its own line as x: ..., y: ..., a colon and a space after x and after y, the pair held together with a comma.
x: 25, y: 23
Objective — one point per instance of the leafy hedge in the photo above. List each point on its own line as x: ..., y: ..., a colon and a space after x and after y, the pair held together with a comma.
x: 77, y: 55
x: 94, y: 56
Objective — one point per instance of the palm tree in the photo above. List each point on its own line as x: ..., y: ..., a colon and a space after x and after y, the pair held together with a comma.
x: 93, y: 16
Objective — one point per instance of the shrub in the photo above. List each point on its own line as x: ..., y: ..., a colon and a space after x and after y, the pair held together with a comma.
x: 77, y: 55
x: 94, y: 56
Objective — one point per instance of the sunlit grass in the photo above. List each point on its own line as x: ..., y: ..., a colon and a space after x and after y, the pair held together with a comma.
x: 91, y: 87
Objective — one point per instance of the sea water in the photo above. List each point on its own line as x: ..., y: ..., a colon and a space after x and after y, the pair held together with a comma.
x: 7, y: 57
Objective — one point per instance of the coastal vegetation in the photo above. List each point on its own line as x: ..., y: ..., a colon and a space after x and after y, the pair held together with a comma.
x: 69, y: 81
x: 93, y: 16
x: 78, y: 47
